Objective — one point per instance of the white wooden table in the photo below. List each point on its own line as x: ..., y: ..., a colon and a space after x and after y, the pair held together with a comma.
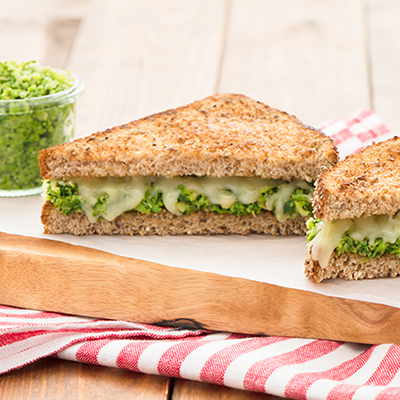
x: 316, y: 59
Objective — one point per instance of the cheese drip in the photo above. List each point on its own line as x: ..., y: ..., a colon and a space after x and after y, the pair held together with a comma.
x: 386, y: 227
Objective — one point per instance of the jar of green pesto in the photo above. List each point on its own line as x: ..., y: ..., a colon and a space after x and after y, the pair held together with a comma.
x: 37, y: 110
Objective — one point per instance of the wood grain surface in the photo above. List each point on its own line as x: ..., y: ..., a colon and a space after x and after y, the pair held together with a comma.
x: 55, y: 276
x: 383, y: 33
x: 317, y: 61
x: 190, y: 390
x: 55, y: 379
x: 155, y: 55
x: 314, y: 59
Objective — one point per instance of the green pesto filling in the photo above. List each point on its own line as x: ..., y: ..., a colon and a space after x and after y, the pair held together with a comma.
x: 64, y: 195
x: 23, y: 136
x: 347, y: 244
x: 312, y: 228
x: 24, y: 80
x: 27, y: 126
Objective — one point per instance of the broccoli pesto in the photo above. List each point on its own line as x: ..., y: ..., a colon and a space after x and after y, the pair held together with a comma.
x: 369, y: 237
x: 22, y: 80
x: 37, y: 110
x: 109, y: 198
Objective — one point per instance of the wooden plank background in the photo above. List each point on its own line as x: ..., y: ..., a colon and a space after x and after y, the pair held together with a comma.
x: 316, y: 59
x: 383, y: 30
x: 301, y: 59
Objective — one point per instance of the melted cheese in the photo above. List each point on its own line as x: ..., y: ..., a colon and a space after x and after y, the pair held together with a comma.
x: 277, y: 201
x: 126, y: 194
x: 322, y: 246
x: 374, y: 227
x: 123, y: 195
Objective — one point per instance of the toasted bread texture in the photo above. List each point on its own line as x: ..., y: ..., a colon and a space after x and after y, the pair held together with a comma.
x: 366, y: 183
x: 165, y: 223
x: 353, y: 267
x: 222, y: 135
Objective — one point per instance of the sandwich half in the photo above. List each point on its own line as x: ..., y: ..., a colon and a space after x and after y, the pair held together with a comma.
x: 355, y: 232
x: 225, y: 164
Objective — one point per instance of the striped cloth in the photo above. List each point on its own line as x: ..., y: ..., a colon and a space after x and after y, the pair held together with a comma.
x: 287, y: 367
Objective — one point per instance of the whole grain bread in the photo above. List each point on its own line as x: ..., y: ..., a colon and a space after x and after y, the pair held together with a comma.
x: 365, y: 183
x: 165, y: 223
x: 221, y: 135
x: 353, y: 267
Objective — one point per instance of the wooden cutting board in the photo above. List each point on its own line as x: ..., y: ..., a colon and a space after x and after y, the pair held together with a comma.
x: 55, y: 276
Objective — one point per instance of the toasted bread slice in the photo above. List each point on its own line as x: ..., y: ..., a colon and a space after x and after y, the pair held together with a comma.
x: 366, y: 183
x: 222, y: 135
x: 165, y: 223
x: 353, y: 267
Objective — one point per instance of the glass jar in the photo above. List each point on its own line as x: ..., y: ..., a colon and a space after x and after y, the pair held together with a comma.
x: 28, y: 126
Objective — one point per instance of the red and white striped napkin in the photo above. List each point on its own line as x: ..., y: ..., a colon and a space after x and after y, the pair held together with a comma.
x: 287, y: 367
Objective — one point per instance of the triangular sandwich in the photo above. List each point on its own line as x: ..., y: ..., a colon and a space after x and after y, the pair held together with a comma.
x: 355, y: 232
x: 225, y: 164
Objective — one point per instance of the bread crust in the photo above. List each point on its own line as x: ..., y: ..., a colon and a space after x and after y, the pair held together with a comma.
x: 165, y: 223
x: 366, y: 183
x: 353, y: 267
x: 221, y: 135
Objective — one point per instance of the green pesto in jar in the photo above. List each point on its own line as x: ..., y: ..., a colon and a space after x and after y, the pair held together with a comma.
x: 23, y: 80
x: 37, y: 110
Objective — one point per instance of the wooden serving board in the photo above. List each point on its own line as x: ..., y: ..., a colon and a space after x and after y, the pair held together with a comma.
x: 55, y: 276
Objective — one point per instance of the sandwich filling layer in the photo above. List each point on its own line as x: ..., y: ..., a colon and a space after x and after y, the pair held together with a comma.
x: 369, y: 237
x: 109, y: 198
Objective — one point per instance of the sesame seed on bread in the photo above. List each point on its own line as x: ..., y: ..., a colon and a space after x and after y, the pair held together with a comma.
x: 221, y: 135
x: 363, y: 184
